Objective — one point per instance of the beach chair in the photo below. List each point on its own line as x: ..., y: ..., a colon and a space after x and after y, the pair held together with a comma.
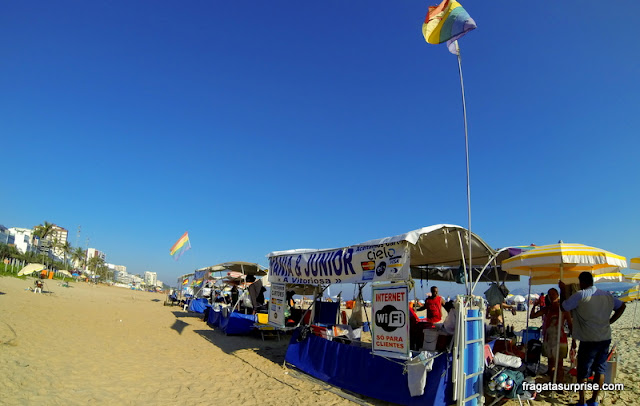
x: 38, y: 286
x: 262, y: 325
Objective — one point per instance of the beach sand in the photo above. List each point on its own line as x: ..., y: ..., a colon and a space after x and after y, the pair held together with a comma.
x: 90, y: 344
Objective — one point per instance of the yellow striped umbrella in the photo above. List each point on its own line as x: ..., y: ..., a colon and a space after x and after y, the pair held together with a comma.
x: 631, y: 294
x: 634, y: 263
x: 550, y: 263
x: 633, y: 277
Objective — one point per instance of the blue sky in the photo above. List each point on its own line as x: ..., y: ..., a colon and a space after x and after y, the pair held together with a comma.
x: 261, y: 126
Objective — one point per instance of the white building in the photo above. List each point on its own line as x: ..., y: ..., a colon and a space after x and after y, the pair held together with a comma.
x: 57, y: 236
x: 5, y: 235
x: 150, y: 278
x: 92, y: 252
x: 22, y: 239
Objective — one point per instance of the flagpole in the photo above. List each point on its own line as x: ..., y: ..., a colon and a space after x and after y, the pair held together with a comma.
x: 466, y: 147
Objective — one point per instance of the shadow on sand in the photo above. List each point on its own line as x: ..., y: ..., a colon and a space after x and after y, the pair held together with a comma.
x: 179, y: 325
x: 270, y: 349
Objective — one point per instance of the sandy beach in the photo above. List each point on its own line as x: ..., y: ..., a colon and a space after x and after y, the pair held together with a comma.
x: 90, y: 344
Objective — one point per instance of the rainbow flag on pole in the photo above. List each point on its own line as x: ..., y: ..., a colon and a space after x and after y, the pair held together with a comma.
x: 180, y: 246
x: 446, y: 22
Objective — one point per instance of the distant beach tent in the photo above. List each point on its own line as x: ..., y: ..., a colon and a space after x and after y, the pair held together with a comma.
x: 183, y: 244
x: 241, y: 267
x: 634, y: 263
x: 31, y: 268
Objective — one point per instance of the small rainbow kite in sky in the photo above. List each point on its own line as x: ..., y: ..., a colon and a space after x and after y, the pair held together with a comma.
x: 180, y: 246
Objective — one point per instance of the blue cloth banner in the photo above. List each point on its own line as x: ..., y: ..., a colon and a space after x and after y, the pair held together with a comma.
x: 214, y: 318
x: 198, y: 305
x: 238, y: 323
x: 234, y: 323
x: 355, y: 369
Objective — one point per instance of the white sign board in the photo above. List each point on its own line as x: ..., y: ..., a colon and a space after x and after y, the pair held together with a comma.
x: 277, y: 304
x: 356, y: 264
x: 390, y: 311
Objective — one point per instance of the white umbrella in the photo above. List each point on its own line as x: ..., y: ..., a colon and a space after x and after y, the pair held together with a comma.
x: 64, y: 272
x: 518, y: 299
x: 562, y: 262
x: 31, y: 268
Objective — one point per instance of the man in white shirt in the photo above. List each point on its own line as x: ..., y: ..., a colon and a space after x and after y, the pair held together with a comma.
x: 591, y: 312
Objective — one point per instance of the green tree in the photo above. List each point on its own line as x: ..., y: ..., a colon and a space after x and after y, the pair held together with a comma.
x: 79, y: 256
x: 42, y: 231
x: 95, y: 263
x: 67, y: 249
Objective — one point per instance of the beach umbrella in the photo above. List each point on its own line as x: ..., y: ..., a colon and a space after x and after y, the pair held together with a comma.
x: 518, y: 299
x: 564, y: 262
x: 31, y: 268
x: 635, y: 277
x: 634, y: 263
x: 630, y: 295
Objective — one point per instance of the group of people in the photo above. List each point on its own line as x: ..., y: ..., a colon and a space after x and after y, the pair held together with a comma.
x: 588, y: 315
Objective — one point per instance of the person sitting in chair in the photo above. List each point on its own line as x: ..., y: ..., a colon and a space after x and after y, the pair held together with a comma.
x: 38, y: 286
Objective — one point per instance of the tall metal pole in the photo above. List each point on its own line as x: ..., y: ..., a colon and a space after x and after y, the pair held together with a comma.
x: 466, y: 147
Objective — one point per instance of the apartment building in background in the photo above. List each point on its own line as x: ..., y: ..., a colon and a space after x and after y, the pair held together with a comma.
x: 150, y: 278
x: 22, y: 239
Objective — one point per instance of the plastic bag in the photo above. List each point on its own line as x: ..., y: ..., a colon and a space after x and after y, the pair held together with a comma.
x: 355, y: 321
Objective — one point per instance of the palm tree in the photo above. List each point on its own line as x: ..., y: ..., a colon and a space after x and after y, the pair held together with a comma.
x: 78, y: 256
x: 42, y: 231
x: 95, y: 263
x: 66, y: 251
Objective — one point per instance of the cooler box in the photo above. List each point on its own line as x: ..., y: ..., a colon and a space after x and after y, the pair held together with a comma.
x: 430, y: 341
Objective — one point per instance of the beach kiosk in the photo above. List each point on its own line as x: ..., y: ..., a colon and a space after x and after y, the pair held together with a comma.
x: 386, y: 368
x: 228, y: 318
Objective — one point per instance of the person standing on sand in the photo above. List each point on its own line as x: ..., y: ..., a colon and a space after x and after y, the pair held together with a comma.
x: 550, y: 333
x: 591, y: 310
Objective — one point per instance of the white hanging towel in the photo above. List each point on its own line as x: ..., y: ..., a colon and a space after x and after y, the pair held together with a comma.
x: 417, y: 369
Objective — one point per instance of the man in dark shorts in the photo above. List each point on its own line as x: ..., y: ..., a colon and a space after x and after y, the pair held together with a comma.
x: 591, y: 312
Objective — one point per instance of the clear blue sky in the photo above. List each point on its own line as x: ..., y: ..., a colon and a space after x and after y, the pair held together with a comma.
x: 270, y: 125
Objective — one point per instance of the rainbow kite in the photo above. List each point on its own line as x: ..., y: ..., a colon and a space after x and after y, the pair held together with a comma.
x: 180, y: 246
x: 446, y: 22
